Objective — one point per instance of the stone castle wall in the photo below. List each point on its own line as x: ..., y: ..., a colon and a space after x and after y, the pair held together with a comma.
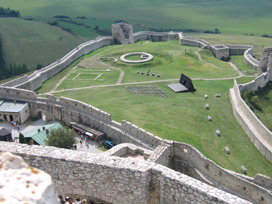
x: 218, y: 176
x: 193, y: 42
x: 122, y: 33
x: 249, y: 60
x: 68, y: 110
x: 36, y: 79
x: 154, y: 36
x: 117, y: 180
x: 221, y: 52
x: 258, y: 133
x: 265, y: 61
x: 246, y: 50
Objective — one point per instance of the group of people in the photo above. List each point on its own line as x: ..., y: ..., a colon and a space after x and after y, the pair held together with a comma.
x: 84, y: 140
x: 69, y: 200
x: 15, y: 125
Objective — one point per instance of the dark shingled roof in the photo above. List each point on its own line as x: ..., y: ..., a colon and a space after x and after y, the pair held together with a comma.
x: 4, y: 132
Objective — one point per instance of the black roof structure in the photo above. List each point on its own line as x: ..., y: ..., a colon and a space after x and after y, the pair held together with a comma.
x: 185, y: 84
x: 5, y: 134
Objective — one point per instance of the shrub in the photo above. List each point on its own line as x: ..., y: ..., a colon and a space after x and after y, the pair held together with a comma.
x: 61, y: 137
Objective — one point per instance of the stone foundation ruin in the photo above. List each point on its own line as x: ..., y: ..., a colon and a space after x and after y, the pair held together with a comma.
x: 122, y: 33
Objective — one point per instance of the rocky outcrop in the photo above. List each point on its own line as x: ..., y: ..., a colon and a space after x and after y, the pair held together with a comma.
x: 20, y: 183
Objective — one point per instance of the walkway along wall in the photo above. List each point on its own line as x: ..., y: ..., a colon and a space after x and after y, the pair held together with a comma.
x: 258, y: 133
x: 117, y: 180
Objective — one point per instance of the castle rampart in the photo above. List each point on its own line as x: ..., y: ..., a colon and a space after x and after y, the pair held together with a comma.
x: 193, y: 42
x: 258, y: 133
x: 187, y: 157
x: 36, y: 79
x: 117, y: 180
x: 249, y: 60
x: 154, y: 36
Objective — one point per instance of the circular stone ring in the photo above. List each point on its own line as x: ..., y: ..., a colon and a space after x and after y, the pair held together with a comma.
x: 145, y: 57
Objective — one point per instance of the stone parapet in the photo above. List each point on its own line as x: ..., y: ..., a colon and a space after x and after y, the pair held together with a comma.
x: 258, y: 133
x: 219, y: 176
x: 193, y: 42
x: 249, y: 60
x: 117, y: 180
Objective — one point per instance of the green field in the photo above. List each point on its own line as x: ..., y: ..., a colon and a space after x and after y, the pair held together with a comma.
x: 44, y: 44
x: 34, y: 43
x: 230, y: 16
x: 180, y: 117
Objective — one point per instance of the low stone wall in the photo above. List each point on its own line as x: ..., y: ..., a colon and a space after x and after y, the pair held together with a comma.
x: 258, y: 133
x: 240, y: 49
x: 259, y: 82
x: 117, y: 180
x: 69, y: 110
x: 154, y: 36
x: 249, y: 60
x: 193, y: 42
x: 219, y: 176
x: 162, y: 154
x: 35, y: 80
x: 140, y: 134
x: 125, y: 149
x: 246, y: 50
x: 15, y: 81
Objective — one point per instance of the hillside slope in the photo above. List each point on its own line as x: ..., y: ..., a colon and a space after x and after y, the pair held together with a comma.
x: 229, y: 16
x: 43, y: 43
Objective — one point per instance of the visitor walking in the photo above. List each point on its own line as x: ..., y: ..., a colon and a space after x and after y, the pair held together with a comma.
x: 81, y: 143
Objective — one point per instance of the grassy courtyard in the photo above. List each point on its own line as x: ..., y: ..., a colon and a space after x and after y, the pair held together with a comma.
x: 181, y: 117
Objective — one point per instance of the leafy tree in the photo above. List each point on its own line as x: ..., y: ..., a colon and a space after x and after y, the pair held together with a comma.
x: 61, y: 137
x: 22, y: 139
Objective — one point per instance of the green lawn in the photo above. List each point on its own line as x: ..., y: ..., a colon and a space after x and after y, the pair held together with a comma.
x: 170, y: 60
x: 183, y: 117
x: 180, y: 117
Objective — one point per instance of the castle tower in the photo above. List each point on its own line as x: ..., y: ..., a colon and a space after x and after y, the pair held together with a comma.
x: 265, y: 61
x: 123, y: 33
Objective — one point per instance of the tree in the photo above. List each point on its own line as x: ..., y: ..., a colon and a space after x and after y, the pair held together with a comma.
x: 39, y: 66
x: 216, y: 30
x: 61, y: 137
x: 22, y: 139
